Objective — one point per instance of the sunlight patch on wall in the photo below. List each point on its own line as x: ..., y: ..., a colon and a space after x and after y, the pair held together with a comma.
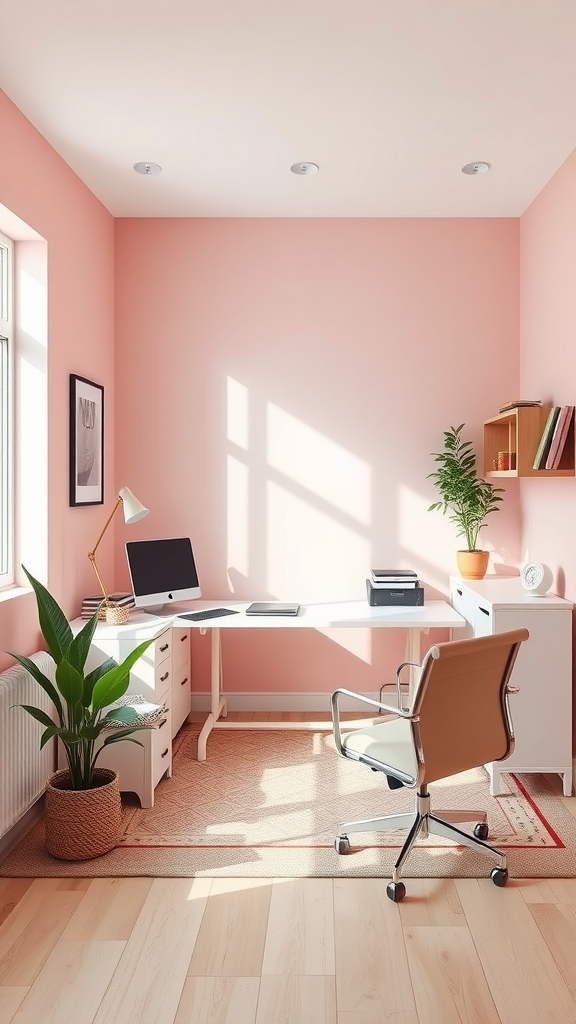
x: 237, y: 413
x: 324, y: 468
x: 428, y: 536
x: 238, y: 550
x: 311, y: 556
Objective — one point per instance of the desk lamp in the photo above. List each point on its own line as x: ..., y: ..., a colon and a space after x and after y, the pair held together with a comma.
x: 133, y: 511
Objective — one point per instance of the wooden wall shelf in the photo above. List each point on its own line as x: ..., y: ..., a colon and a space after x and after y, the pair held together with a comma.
x: 519, y: 431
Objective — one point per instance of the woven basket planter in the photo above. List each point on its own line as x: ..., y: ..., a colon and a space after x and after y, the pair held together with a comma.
x: 83, y: 823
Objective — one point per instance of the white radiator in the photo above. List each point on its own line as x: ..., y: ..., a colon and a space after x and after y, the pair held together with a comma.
x: 24, y: 768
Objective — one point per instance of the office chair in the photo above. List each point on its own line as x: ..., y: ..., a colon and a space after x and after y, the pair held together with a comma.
x: 458, y: 718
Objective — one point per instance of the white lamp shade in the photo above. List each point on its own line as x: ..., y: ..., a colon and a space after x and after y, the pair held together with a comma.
x: 133, y: 509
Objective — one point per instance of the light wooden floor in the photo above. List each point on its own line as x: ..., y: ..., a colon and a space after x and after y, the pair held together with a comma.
x: 287, y: 951
x: 306, y: 951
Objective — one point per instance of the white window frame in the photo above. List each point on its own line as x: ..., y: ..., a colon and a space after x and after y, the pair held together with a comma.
x: 7, y: 489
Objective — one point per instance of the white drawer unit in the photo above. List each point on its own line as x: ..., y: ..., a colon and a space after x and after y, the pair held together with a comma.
x: 181, y: 695
x: 542, y: 710
x: 140, y: 768
x: 162, y: 676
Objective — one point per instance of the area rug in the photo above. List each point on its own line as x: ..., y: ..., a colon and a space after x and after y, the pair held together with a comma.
x: 268, y: 804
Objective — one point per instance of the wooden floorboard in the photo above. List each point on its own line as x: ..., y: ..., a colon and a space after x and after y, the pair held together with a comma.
x: 272, y: 951
x: 327, y: 951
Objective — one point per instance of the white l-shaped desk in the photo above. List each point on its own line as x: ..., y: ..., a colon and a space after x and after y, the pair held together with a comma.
x: 335, y: 615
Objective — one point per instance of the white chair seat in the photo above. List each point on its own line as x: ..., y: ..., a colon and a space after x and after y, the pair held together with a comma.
x: 388, y: 742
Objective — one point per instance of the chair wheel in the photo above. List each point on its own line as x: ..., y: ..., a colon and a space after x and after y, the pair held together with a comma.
x: 481, y: 830
x: 499, y: 876
x: 394, y: 783
x: 342, y: 844
x: 396, y: 891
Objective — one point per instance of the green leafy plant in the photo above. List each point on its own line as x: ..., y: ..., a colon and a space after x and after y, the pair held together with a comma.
x: 465, y: 497
x: 79, y: 699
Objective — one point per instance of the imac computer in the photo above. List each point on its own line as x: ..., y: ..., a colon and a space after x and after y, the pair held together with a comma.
x: 162, y: 572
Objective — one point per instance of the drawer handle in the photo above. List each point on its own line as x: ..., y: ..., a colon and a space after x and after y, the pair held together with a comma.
x: 459, y: 592
x: 183, y: 639
x: 164, y: 677
x: 164, y: 648
x: 165, y: 752
x: 485, y: 610
x: 184, y: 681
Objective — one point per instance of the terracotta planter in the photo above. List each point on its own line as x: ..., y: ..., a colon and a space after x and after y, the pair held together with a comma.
x: 472, y: 565
x: 83, y: 823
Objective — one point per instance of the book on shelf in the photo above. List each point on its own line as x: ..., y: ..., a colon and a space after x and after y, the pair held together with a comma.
x: 546, y: 439
x: 559, y: 437
x: 518, y: 403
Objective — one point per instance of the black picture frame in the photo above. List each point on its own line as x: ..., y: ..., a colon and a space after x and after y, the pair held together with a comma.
x: 86, y: 441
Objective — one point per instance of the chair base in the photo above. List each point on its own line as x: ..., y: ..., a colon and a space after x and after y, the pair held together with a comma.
x: 423, y: 823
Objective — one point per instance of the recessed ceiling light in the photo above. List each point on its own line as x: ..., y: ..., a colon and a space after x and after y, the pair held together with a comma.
x: 145, y: 167
x: 478, y: 167
x: 305, y: 167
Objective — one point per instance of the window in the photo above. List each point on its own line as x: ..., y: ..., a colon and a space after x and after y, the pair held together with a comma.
x: 6, y: 415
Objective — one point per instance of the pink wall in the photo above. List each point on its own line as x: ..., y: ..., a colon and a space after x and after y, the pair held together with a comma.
x: 548, y: 362
x: 40, y: 188
x: 280, y: 387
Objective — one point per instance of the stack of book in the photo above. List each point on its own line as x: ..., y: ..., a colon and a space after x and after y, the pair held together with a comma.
x: 394, y: 586
x: 554, y: 436
x: 518, y: 403
x: 391, y: 579
x: 91, y: 604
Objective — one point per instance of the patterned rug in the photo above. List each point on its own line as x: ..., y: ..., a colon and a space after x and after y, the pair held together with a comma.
x: 268, y: 804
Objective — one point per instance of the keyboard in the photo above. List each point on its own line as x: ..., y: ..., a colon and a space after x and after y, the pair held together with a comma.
x: 209, y: 613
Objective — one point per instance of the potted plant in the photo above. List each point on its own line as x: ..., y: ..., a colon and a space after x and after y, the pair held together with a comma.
x: 83, y: 805
x: 466, y: 498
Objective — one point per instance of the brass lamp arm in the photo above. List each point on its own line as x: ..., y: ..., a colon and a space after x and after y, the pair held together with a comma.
x: 106, y: 525
x: 92, y: 554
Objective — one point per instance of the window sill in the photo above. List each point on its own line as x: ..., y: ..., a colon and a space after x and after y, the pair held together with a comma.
x: 13, y: 592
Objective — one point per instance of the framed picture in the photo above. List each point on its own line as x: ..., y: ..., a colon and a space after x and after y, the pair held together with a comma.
x: 86, y: 441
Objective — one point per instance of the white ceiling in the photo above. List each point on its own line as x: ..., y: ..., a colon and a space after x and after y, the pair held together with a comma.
x: 389, y: 97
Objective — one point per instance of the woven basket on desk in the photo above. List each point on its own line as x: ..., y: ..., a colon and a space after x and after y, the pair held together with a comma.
x: 83, y: 823
x: 115, y: 614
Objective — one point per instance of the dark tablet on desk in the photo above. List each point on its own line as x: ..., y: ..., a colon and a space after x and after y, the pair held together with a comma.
x: 272, y: 608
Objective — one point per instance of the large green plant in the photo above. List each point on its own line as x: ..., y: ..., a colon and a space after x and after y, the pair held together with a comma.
x: 79, y: 699
x: 465, y: 497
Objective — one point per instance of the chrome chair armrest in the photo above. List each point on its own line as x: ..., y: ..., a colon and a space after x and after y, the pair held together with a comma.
x: 399, y: 691
x: 388, y: 708
x: 411, y: 664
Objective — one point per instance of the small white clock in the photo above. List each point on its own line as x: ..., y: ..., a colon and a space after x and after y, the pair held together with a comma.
x: 536, y: 579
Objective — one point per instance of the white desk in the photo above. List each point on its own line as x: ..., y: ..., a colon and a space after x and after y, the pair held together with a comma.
x: 349, y: 614
x: 147, y: 676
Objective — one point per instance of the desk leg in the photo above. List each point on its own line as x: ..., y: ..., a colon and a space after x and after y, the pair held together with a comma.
x: 414, y: 653
x: 218, y: 706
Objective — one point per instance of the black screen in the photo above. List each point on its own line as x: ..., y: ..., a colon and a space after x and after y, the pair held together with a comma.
x: 161, y: 566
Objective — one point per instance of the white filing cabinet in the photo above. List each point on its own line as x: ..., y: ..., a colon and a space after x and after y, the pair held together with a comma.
x: 161, y: 676
x: 542, y: 710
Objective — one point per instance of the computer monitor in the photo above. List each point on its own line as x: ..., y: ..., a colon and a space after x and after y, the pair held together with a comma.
x: 162, y: 572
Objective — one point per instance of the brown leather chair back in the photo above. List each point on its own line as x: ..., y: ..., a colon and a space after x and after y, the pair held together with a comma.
x: 462, y: 703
